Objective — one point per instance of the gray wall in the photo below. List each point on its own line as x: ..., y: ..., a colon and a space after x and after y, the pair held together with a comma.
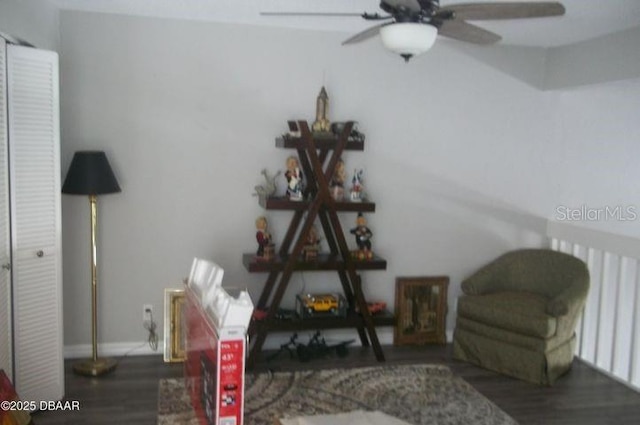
x: 188, y: 113
x: 613, y: 57
x: 599, y: 131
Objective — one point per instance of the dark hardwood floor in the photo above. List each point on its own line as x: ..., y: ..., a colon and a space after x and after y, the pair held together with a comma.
x: 584, y: 396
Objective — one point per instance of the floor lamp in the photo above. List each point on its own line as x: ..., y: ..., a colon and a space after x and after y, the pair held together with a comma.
x: 90, y: 174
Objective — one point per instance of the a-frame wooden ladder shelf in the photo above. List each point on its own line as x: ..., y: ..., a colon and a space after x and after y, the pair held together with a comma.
x: 318, y: 157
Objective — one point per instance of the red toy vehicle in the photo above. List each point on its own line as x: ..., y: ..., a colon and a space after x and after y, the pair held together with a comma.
x: 376, y: 307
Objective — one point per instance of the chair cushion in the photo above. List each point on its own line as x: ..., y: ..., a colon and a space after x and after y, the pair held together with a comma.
x: 520, y: 312
x: 504, y: 336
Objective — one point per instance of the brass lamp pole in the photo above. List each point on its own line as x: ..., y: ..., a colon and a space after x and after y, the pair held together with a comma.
x: 90, y: 174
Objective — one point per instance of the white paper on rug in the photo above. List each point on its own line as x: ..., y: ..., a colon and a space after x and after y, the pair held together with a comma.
x: 357, y: 417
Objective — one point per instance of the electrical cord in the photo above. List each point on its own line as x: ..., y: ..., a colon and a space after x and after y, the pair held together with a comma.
x: 152, y: 340
x: 125, y: 355
x: 151, y: 326
x: 304, y: 284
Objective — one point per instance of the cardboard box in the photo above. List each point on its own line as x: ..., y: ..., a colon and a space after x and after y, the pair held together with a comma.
x: 216, y: 342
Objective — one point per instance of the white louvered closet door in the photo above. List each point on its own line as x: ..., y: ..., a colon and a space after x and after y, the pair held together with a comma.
x: 34, y: 163
x: 6, y: 362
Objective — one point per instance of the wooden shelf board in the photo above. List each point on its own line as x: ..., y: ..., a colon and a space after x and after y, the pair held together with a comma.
x: 282, y: 203
x: 321, y: 142
x: 324, y: 262
x: 351, y: 321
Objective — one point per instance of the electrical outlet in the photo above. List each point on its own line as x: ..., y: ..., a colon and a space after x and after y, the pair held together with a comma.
x: 147, y: 310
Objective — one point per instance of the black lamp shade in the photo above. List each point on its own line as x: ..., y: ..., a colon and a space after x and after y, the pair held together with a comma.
x: 90, y: 174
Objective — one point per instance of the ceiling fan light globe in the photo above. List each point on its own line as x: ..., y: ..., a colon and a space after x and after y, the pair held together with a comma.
x: 408, y: 38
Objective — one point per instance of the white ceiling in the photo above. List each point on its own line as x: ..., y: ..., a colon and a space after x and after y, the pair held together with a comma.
x: 585, y: 19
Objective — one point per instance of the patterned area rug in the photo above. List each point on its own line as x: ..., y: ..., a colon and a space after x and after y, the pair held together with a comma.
x: 418, y: 394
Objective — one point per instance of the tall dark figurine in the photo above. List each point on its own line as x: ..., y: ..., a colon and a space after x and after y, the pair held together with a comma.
x: 362, y: 233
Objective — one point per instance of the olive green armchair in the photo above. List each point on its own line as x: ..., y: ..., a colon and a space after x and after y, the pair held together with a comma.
x: 518, y: 314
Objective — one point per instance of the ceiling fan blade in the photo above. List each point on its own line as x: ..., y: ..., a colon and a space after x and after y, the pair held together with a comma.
x: 464, y: 31
x: 366, y: 34
x: 491, y: 11
x: 308, y: 14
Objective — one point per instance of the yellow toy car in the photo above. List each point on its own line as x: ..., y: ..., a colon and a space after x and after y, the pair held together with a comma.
x: 320, y: 303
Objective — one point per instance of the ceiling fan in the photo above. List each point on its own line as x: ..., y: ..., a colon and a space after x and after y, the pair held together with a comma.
x: 410, y: 27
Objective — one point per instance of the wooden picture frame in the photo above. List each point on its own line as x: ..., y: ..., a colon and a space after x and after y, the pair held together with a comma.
x: 421, y: 309
x: 174, y: 337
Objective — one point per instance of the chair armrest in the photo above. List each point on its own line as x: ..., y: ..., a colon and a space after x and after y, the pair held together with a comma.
x: 569, y: 301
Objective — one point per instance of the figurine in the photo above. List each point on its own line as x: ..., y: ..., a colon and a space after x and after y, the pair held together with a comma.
x: 317, y: 347
x: 263, y: 237
x: 312, y: 245
x: 294, y: 179
x: 312, y: 236
x: 294, y: 130
x: 355, y: 136
x: 357, y: 191
x: 322, y: 124
x: 269, y: 188
x: 336, y: 184
x: 363, y: 238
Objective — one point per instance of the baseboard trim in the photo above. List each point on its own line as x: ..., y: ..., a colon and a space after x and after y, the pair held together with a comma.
x: 112, y: 349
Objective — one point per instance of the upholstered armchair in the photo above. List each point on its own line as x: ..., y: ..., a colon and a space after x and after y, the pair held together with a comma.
x: 518, y: 314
